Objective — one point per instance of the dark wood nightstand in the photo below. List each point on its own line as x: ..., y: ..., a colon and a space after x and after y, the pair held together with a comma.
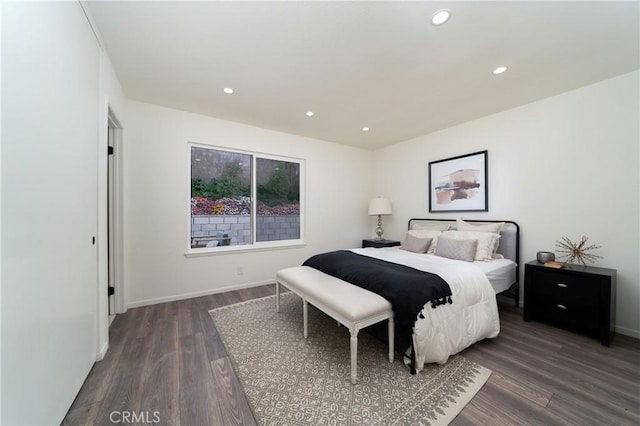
x: 576, y: 296
x: 374, y: 242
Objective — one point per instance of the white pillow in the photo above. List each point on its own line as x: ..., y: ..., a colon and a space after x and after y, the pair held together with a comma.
x: 461, y: 225
x: 487, y: 242
x: 431, y: 227
x: 425, y: 233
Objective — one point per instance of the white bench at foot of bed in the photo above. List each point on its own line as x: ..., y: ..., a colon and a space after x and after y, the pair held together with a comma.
x: 350, y: 305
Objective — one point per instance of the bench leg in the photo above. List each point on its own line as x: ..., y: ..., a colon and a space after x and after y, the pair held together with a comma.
x: 277, y: 296
x: 354, y: 356
x: 391, y: 338
x: 305, y: 317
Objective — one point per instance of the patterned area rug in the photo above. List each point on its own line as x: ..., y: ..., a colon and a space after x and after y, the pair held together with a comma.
x: 290, y: 380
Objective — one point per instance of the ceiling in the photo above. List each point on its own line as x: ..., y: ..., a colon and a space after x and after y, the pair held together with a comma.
x: 381, y: 65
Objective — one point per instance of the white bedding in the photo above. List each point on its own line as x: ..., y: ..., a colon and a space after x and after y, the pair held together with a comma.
x: 500, y: 272
x: 450, y: 328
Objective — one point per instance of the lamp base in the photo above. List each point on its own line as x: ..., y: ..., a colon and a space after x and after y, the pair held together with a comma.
x: 379, y: 230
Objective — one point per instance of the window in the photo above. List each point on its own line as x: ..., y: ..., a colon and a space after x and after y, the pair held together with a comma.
x: 243, y: 199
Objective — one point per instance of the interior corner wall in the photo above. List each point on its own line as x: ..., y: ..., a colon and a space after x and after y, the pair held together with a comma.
x: 563, y: 166
x: 156, y: 199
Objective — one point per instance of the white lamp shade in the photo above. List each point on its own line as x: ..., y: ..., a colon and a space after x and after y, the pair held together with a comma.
x: 379, y: 206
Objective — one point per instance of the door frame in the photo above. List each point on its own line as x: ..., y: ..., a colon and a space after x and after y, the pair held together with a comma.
x: 109, y: 119
x: 118, y: 258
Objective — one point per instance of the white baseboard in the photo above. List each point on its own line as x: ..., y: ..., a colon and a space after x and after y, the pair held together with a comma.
x: 628, y: 332
x: 103, y: 351
x: 196, y: 294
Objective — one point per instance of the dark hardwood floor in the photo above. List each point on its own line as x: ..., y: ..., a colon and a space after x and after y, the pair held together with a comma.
x: 166, y: 365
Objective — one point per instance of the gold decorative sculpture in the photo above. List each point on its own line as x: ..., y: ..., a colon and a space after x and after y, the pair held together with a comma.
x: 577, y: 252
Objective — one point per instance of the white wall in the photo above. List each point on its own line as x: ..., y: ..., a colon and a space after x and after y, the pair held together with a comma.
x: 50, y: 108
x: 0, y: 212
x: 157, y: 188
x: 564, y: 166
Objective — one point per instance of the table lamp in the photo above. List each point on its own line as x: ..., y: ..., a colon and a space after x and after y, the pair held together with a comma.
x: 379, y: 206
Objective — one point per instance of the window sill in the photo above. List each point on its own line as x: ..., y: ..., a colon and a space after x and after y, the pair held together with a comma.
x: 214, y: 251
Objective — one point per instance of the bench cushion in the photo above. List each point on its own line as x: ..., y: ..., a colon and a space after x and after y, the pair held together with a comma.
x: 355, y: 303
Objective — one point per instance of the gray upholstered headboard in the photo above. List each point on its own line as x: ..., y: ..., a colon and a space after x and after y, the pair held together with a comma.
x: 509, y: 245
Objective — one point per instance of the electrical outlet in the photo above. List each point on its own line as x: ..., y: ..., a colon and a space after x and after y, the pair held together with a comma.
x: 240, y: 270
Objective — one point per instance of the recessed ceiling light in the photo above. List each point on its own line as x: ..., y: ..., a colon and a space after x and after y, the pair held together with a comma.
x: 365, y: 129
x: 440, y: 17
x: 228, y: 90
x: 499, y: 70
x: 310, y: 113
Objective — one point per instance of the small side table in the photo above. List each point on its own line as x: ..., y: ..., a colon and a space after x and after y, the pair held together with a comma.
x: 374, y: 242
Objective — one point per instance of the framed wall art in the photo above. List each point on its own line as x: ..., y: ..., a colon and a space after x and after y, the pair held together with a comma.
x: 459, y: 184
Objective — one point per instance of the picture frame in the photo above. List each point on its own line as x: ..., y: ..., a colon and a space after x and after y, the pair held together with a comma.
x: 459, y: 184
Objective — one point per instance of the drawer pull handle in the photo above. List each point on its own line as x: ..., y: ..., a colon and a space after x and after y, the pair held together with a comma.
x: 562, y: 285
x: 561, y: 306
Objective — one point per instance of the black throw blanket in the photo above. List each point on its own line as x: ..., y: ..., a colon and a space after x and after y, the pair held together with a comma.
x: 407, y: 289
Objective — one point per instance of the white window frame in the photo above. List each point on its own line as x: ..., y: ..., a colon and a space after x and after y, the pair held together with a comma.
x: 253, y: 245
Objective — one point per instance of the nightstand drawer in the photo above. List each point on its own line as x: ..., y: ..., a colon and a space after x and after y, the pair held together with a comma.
x: 584, y: 314
x: 559, y: 286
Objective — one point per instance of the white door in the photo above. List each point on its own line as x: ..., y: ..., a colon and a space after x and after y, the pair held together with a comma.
x: 50, y: 111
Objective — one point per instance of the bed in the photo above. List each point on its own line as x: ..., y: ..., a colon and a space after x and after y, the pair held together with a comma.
x: 502, y: 273
x: 444, y: 329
